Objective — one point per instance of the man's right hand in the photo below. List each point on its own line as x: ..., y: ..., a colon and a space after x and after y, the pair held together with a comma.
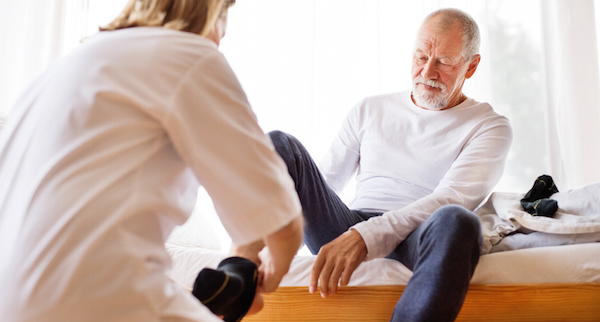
x: 336, y: 262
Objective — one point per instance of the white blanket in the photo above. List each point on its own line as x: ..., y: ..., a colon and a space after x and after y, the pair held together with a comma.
x: 561, y: 264
x: 576, y: 221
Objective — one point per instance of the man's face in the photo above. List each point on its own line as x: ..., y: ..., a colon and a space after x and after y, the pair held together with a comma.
x: 439, y: 68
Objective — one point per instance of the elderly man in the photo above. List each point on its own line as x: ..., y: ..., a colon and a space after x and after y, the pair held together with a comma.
x: 423, y: 159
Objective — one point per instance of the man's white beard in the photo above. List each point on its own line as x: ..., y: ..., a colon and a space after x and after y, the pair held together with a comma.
x: 435, y: 101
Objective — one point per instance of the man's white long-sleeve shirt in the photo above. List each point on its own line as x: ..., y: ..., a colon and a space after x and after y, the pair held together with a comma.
x: 410, y: 161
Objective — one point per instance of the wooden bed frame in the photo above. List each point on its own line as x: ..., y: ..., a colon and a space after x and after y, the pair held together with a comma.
x: 485, y: 302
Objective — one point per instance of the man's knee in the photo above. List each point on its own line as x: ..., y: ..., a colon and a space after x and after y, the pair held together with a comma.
x: 288, y: 146
x: 455, y: 219
x: 282, y: 143
x: 455, y: 215
x: 277, y: 135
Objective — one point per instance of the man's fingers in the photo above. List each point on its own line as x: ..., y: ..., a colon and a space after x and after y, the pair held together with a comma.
x: 335, y: 277
x: 315, y: 273
x: 350, y: 268
x: 336, y: 262
x: 324, y: 277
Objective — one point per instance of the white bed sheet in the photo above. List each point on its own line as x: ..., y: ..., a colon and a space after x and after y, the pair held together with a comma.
x: 558, y: 264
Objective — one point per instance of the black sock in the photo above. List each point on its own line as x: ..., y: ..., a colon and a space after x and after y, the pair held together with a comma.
x: 537, y: 202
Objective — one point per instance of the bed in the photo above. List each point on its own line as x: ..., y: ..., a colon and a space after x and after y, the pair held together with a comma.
x: 513, y: 281
x: 559, y: 283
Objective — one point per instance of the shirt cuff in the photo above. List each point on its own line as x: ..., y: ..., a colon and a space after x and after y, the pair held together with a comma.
x: 369, y: 238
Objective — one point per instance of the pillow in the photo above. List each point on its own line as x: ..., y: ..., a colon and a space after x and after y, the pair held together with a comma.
x: 583, y: 201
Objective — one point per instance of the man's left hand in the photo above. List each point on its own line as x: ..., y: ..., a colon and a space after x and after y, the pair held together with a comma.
x: 337, y: 260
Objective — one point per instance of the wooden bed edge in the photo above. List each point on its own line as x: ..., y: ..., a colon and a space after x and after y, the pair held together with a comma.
x: 485, y: 302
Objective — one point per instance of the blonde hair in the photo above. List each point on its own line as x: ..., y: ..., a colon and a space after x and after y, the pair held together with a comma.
x: 195, y: 16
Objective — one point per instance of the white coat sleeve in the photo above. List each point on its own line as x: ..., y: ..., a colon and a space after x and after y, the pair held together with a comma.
x: 214, y: 130
x: 470, y: 179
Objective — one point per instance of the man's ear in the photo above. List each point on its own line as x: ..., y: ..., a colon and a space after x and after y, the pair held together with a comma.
x: 473, y: 65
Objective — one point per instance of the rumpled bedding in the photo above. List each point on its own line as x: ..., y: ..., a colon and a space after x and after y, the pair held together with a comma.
x: 507, y: 226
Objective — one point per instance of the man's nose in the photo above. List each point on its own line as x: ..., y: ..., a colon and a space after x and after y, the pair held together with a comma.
x: 429, y: 70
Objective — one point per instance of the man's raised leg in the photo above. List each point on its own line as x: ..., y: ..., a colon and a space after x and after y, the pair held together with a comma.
x: 325, y: 215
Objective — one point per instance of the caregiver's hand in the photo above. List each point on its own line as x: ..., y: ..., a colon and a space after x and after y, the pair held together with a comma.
x: 281, y: 247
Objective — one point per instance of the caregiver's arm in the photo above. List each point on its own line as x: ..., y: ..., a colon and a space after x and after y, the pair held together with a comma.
x: 273, y: 253
x: 280, y: 249
x: 236, y: 162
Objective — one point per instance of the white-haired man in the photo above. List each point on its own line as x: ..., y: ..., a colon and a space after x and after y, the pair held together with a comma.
x: 423, y: 159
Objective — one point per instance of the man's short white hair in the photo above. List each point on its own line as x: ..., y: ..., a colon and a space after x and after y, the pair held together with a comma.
x: 471, y: 37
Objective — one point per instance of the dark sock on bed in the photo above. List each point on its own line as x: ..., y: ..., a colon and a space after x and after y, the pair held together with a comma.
x: 537, y: 200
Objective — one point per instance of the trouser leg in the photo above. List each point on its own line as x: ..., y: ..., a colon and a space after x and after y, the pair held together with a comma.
x: 325, y: 215
x: 442, y: 253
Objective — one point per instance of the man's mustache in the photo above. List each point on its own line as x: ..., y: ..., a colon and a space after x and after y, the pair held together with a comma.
x: 428, y: 82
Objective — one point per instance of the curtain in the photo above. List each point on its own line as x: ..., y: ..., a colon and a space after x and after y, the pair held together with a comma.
x: 573, y: 91
x: 34, y: 33
x: 29, y: 36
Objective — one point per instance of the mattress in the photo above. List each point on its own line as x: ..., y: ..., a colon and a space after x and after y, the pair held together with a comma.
x: 579, y: 263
